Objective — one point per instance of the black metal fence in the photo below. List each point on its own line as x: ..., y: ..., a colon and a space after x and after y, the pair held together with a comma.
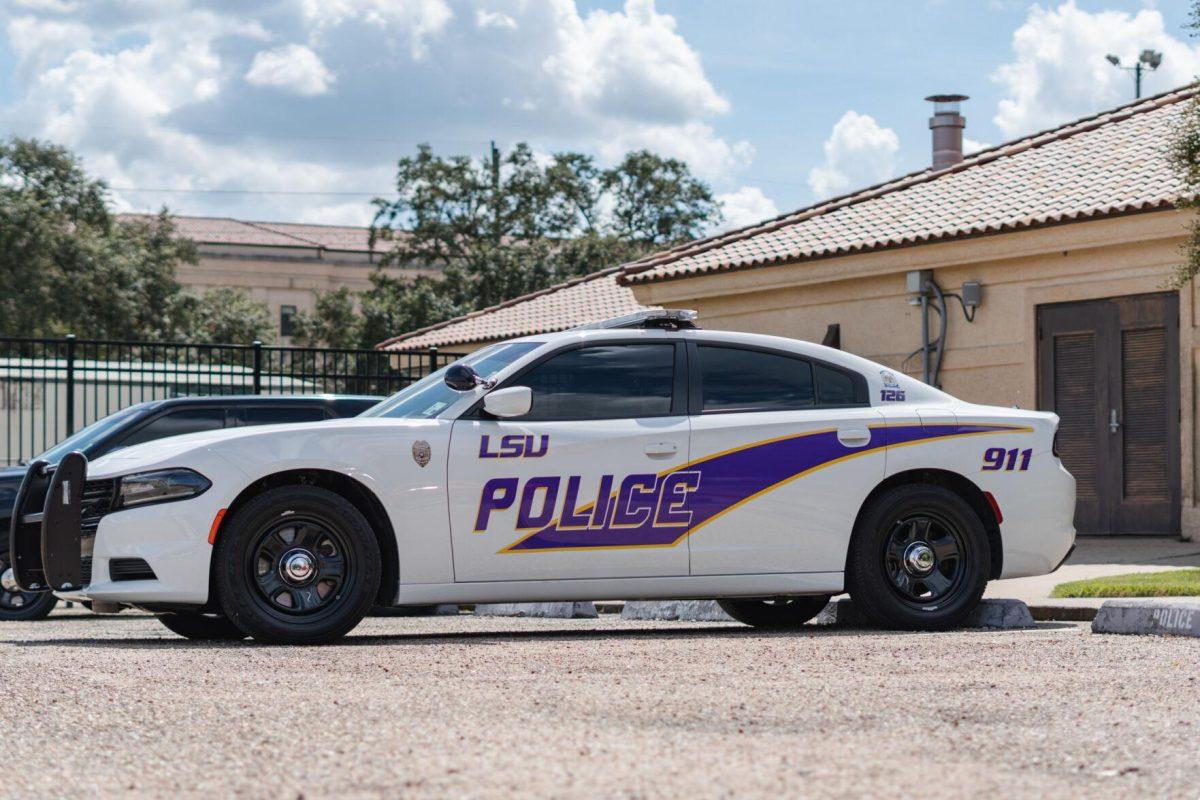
x: 50, y: 388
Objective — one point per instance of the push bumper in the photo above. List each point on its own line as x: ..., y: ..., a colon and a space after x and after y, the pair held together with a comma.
x: 45, y: 532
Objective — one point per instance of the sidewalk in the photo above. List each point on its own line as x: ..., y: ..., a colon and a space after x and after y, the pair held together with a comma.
x: 1096, y: 557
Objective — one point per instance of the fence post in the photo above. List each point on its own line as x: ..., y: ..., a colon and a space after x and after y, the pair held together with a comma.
x: 70, y: 339
x: 257, y: 366
x: 433, y: 365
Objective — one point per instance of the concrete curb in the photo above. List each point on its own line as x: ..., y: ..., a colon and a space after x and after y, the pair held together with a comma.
x: 576, y: 610
x: 675, y: 610
x: 992, y: 614
x: 1148, y: 618
x: 1063, y: 613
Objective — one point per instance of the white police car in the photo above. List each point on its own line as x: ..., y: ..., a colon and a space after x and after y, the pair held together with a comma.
x: 637, y: 458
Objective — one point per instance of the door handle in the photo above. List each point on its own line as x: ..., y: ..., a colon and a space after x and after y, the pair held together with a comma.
x: 854, y: 437
x: 661, y: 449
x: 1113, y: 425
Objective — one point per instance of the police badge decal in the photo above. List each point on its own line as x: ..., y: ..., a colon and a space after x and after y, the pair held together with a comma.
x: 421, y: 452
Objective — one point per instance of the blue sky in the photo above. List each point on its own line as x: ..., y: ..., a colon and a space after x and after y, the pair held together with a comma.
x: 297, y: 109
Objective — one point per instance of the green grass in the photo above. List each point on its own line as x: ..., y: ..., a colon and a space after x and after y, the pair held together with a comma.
x: 1175, y: 583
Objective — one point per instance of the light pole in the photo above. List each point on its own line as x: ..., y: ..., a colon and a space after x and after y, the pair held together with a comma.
x: 1149, y: 59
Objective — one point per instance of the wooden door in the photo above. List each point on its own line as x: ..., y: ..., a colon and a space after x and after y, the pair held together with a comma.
x: 1110, y: 370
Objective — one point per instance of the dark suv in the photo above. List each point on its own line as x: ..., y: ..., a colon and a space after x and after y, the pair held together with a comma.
x: 144, y: 422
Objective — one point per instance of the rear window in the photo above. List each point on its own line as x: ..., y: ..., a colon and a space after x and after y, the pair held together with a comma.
x: 834, y: 387
x: 733, y: 379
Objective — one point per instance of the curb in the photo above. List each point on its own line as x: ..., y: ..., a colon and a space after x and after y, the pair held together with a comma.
x: 675, y: 610
x: 1063, y: 613
x: 1148, y: 618
x: 991, y: 614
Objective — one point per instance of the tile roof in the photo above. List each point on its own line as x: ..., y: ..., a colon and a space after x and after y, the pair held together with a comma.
x: 225, y: 230
x: 1108, y: 164
x: 588, y: 299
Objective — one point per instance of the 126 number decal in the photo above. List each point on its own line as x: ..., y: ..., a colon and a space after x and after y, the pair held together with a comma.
x: 997, y: 458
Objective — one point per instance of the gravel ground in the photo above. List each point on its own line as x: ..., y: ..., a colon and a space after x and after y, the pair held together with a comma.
x: 485, y: 707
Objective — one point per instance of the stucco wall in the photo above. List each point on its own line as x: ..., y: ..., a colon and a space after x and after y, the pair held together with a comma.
x: 992, y: 360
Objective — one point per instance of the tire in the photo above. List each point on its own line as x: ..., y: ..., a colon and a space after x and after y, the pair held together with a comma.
x: 919, y: 559
x: 774, y: 613
x: 260, y: 559
x: 202, y: 627
x: 18, y: 606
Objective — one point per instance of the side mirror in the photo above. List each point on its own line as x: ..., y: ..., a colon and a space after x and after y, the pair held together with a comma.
x: 462, y: 378
x: 515, y: 401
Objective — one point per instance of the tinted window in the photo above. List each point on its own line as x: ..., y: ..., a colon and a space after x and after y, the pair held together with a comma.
x: 176, y: 423
x: 270, y: 415
x: 604, y: 382
x: 751, y: 380
x: 834, y: 387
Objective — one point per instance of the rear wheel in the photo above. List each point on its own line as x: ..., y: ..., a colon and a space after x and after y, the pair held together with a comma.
x: 919, y: 559
x: 19, y: 606
x: 297, y: 565
x: 202, y: 627
x: 774, y: 613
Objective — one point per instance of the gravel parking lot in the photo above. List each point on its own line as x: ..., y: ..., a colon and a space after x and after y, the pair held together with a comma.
x: 475, y: 707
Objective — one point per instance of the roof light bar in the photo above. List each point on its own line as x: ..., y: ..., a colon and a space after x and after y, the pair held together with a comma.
x: 670, y: 318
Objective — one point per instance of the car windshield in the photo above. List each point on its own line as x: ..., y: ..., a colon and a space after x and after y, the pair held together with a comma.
x: 84, y: 438
x: 430, y: 396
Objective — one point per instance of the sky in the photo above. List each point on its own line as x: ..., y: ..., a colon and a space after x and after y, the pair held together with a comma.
x: 296, y: 110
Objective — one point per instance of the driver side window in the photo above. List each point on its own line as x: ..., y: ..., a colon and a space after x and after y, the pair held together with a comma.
x: 626, y: 381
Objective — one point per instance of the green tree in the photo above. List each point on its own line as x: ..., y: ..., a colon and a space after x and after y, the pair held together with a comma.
x: 505, y: 226
x: 1185, y: 156
x: 67, y: 264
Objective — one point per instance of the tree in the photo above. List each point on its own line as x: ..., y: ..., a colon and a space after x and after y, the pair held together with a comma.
x: 226, y: 314
x: 1185, y: 157
x: 509, y: 225
x: 67, y: 264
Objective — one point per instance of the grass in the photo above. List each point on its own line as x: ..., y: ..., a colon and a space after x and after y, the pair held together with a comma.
x: 1174, y: 583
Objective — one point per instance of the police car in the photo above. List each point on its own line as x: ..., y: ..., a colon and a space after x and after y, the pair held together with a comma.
x: 640, y: 457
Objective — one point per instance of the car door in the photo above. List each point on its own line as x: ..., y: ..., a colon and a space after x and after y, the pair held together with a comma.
x: 579, y: 487
x: 786, y: 448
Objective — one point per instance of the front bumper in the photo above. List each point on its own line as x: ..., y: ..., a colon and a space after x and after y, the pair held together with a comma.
x: 64, y: 539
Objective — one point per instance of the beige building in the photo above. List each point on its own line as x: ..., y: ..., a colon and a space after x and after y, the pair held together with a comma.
x: 1071, y: 237
x: 281, y: 263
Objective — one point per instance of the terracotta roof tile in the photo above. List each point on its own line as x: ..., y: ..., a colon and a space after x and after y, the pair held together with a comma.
x: 587, y: 299
x: 225, y: 230
x: 1112, y: 163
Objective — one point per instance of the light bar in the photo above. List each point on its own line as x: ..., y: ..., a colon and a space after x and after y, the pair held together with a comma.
x: 650, y: 318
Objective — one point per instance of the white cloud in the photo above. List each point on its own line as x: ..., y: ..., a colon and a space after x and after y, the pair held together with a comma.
x: 630, y: 62
x: 161, y: 93
x: 494, y: 19
x: 858, y: 153
x: 1059, y: 71
x: 293, y: 68
x: 746, y: 206
x: 418, y: 20
x: 971, y: 146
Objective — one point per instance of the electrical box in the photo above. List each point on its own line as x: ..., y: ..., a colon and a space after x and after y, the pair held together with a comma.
x: 972, y: 294
x: 914, y: 282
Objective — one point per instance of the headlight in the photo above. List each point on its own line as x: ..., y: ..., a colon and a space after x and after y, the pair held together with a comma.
x: 160, y: 487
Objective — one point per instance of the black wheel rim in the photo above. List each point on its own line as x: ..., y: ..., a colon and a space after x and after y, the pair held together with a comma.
x: 299, y: 566
x: 926, y: 559
x: 15, y: 601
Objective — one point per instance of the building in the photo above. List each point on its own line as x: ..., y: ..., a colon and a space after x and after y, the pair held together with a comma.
x: 588, y: 299
x: 283, y: 264
x: 1051, y: 259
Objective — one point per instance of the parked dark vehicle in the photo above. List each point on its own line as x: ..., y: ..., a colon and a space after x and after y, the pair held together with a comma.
x: 145, y: 422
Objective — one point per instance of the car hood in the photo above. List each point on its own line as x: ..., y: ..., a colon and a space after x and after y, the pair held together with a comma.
x: 178, y: 451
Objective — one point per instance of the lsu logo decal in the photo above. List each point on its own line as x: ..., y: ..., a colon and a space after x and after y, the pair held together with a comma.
x: 515, y: 446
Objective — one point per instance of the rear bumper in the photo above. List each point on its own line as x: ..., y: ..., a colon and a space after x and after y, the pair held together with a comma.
x: 1038, y: 532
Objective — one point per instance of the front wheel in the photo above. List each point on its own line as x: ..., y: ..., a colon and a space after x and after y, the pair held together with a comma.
x: 919, y: 559
x: 202, y: 627
x: 19, y: 606
x: 297, y: 565
x: 774, y: 613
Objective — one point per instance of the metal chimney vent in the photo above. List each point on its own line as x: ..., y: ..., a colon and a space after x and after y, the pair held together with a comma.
x: 947, y: 126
